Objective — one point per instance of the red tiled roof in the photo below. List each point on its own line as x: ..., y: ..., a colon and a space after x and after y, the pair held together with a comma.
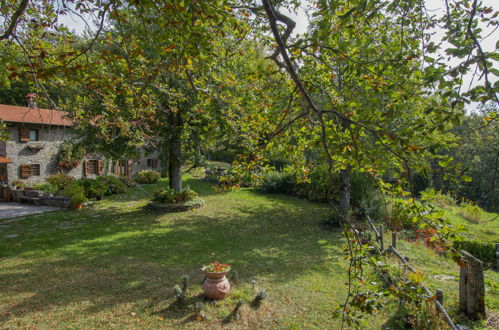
x: 4, y: 160
x: 13, y: 113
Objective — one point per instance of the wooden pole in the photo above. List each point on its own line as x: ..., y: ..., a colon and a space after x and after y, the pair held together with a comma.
x: 381, y: 240
x: 440, y: 296
x: 471, y: 287
x: 394, y: 239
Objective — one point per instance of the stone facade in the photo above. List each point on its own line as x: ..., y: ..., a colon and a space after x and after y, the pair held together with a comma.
x: 43, y: 154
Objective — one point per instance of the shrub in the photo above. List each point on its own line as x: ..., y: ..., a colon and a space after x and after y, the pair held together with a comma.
x: 129, y: 182
x: 366, y: 196
x: 439, y: 199
x: 75, y: 192
x: 93, y: 188
x: 114, y: 185
x: 318, y: 187
x: 168, y: 195
x: 47, y: 187
x: 223, y: 156
x: 279, y: 163
x: 19, y: 184
x: 399, y: 216
x: 277, y: 182
x: 470, y: 211
x: 484, y: 251
x: 147, y: 176
x: 60, y: 180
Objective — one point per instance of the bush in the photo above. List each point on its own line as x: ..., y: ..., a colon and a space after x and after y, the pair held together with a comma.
x: 19, y: 184
x: 60, y: 180
x: 366, y: 196
x: 168, y: 195
x: 114, y: 185
x: 147, y: 176
x: 470, y: 211
x: 129, y: 182
x: 484, y: 251
x: 223, y: 156
x: 47, y: 187
x: 277, y: 183
x: 438, y: 198
x: 76, y: 192
x: 399, y: 216
x: 93, y: 188
x: 318, y: 187
x: 279, y: 163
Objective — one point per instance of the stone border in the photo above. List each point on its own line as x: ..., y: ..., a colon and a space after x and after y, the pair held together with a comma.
x: 170, y: 207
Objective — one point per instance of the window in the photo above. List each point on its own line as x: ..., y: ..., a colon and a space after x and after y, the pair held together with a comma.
x: 28, y: 134
x: 33, y: 135
x: 30, y: 170
x: 35, y: 169
x: 93, y: 166
x: 151, y: 162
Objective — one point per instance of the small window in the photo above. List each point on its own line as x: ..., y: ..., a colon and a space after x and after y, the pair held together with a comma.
x: 29, y: 170
x: 92, y: 166
x: 33, y: 135
x: 35, y: 169
x: 151, y: 162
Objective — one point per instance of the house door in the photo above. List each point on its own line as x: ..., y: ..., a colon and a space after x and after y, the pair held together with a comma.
x: 3, y: 173
x: 123, y: 168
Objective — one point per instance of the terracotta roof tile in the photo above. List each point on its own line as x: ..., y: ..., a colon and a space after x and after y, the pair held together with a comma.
x: 13, y: 113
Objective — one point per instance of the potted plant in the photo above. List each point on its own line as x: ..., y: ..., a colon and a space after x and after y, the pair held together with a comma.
x: 77, y: 194
x: 77, y: 200
x: 216, y: 285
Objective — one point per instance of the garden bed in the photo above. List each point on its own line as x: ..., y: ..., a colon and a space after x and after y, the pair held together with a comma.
x: 176, y: 207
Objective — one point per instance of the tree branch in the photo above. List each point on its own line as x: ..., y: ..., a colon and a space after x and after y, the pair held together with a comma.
x: 15, y: 19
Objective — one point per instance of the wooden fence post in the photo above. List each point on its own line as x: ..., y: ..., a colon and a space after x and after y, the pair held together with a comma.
x: 471, y: 287
x: 496, y: 266
x: 381, y: 240
x: 440, y: 296
x: 394, y: 239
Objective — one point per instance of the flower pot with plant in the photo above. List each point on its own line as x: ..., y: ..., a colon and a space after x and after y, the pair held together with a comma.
x: 77, y: 195
x: 216, y: 285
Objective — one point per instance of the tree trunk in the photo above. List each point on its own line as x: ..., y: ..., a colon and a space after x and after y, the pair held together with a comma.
x: 175, y: 163
x: 344, y: 206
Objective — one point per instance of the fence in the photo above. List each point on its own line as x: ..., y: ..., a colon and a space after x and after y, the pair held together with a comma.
x: 471, y: 281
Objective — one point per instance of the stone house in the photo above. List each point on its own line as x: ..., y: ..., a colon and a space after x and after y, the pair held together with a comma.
x: 36, y: 135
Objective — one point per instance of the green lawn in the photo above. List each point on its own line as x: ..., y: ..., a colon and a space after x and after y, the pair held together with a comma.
x: 114, y: 265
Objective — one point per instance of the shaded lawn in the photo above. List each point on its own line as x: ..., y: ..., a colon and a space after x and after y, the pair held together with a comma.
x: 114, y: 265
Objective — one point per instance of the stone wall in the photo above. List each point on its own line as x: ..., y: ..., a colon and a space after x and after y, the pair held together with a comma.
x: 50, y: 139
x: 20, y: 154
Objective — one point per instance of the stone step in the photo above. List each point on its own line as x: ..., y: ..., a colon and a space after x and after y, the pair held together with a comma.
x: 31, y: 200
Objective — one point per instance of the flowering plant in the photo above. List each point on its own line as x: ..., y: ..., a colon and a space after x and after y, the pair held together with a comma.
x: 216, y: 267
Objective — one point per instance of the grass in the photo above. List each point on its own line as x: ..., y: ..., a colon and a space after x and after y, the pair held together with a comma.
x: 114, y: 265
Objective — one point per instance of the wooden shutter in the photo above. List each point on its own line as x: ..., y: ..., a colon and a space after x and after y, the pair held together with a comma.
x: 117, y: 168
x: 129, y: 168
x: 25, y: 171
x: 99, y: 167
x: 85, y: 167
x: 154, y: 163
x: 23, y: 134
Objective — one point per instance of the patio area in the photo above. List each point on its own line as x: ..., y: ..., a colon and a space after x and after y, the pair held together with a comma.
x: 14, y: 210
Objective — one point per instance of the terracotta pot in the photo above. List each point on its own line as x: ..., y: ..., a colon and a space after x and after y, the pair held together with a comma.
x: 78, y: 206
x: 216, y: 285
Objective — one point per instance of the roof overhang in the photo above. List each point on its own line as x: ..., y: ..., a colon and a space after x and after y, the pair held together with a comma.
x: 5, y: 160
